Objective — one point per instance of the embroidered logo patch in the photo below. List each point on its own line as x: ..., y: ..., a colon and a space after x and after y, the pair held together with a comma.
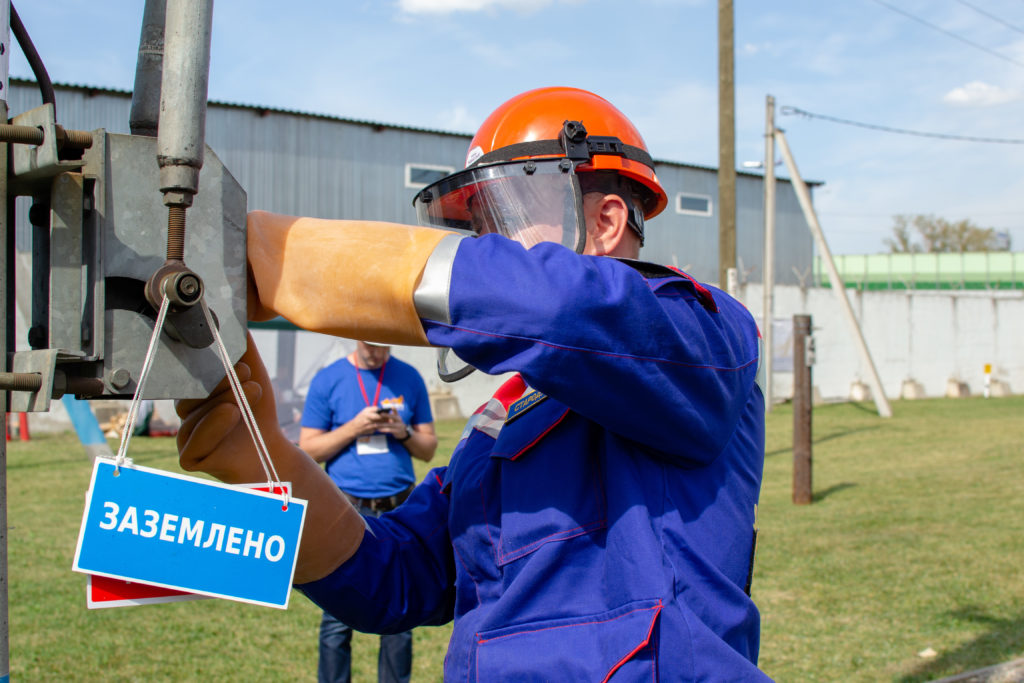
x: 528, y: 401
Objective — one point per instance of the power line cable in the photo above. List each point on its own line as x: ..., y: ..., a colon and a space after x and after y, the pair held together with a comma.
x: 930, y: 25
x: 991, y: 16
x: 787, y: 111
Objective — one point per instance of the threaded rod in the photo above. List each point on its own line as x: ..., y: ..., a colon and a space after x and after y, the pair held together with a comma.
x: 21, y: 381
x: 24, y: 135
x: 175, y: 233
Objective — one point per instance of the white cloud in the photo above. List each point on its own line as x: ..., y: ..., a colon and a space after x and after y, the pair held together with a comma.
x: 448, y: 6
x: 458, y: 118
x: 979, y: 94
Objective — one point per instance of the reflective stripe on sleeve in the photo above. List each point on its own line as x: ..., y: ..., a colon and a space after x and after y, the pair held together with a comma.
x: 431, y: 295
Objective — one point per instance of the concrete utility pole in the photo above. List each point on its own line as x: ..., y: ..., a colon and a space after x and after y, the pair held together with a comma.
x: 768, y: 271
x: 803, y: 196
x: 726, y: 149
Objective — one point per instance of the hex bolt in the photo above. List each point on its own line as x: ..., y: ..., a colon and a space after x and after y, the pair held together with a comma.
x: 120, y: 377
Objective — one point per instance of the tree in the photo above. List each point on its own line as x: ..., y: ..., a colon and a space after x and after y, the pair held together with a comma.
x: 938, y: 235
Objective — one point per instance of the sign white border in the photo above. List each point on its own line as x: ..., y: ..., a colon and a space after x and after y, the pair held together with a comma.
x: 195, y: 480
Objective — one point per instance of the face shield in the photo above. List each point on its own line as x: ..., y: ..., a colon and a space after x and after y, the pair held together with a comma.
x: 532, y: 201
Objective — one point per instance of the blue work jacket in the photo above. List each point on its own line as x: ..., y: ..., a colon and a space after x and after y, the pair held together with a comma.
x: 597, y: 521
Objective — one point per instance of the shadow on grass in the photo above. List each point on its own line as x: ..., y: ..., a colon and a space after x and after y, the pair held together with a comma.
x: 864, y: 406
x: 1001, y: 643
x: 823, y: 439
x: 822, y: 495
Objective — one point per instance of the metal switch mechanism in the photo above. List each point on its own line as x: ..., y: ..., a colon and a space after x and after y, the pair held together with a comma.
x: 109, y: 241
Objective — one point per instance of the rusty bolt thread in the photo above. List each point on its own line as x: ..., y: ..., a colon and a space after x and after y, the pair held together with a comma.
x: 31, y: 135
x: 23, y: 135
x: 20, y: 381
x: 79, y: 139
x: 175, y: 233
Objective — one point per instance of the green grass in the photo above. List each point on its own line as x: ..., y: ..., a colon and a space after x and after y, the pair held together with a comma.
x: 913, y: 541
x: 54, y: 637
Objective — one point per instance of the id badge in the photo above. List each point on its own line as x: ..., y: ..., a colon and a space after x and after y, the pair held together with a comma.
x: 372, y: 445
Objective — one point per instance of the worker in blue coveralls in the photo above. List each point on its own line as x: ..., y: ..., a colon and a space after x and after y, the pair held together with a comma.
x: 597, y: 519
x: 366, y: 416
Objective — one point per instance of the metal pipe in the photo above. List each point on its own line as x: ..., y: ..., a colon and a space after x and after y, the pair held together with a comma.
x: 7, y: 309
x: 186, y: 70
x: 145, y: 114
x: 34, y: 61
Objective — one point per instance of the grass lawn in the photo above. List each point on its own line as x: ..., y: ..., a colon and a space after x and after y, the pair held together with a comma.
x: 913, y: 542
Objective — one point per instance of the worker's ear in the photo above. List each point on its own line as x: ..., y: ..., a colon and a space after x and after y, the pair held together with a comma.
x: 608, y: 231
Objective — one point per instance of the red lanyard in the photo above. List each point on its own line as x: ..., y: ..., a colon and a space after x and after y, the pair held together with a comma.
x: 380, y: 381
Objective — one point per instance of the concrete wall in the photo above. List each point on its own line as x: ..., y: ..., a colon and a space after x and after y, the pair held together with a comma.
x: 931, y: 337
x: 927, y: 336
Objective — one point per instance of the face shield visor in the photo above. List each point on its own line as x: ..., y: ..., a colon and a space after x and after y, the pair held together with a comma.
x: 532, y: 201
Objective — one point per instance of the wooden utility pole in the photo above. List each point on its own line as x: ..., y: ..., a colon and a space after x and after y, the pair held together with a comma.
x: 802, y: 402
x: 726, y: 147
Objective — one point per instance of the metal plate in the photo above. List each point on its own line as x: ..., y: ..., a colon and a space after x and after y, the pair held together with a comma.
x: 133, y: 226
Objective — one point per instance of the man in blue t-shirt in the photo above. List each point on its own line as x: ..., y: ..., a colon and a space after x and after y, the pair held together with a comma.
x: 365, y: 415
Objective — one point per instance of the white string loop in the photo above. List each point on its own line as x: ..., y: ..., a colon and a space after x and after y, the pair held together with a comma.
x: 147, y: 363
x: 262, y: 452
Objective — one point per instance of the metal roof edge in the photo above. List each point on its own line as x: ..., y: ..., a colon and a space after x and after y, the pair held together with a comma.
x: 263, y: 110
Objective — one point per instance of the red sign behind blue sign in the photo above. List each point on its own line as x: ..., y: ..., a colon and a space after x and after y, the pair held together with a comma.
x: 179, y: 532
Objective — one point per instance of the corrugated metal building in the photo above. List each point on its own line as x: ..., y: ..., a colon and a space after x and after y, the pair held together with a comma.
x: 330, y: 167
x: 313, y: 165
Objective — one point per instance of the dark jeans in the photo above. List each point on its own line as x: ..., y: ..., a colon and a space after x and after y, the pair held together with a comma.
x: 394, y: 662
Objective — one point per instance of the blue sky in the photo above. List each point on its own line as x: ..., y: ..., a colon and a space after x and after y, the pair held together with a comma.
x: 447, y: 63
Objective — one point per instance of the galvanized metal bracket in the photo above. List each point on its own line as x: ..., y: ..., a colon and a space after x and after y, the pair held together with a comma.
x: 31, y: 162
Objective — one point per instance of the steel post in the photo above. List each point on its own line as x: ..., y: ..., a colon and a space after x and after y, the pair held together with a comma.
x: 186, y: 73
x: 6, y: 333
x: 145, y: 114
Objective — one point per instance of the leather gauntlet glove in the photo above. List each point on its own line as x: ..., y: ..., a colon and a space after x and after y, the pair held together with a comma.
x: 352, y: 279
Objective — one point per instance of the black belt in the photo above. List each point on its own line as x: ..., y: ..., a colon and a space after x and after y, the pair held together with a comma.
x: 384, y: 504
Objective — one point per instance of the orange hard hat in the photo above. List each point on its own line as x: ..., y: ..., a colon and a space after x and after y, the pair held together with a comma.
x: 612, y: 142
